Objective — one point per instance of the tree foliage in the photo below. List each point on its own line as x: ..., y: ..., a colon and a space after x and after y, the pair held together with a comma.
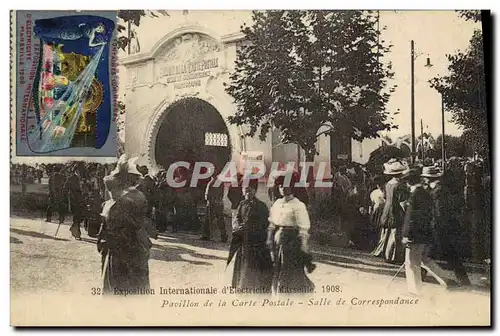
x: 454, y: 146
x: 120, y: 127
x: 464, y: 90
x: 470, y: 15
x: 305, y: 70
x: 121, y: 114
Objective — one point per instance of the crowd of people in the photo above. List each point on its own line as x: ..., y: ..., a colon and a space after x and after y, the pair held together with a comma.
x: 414, y: 214
x: 368, y: 205
x: 270, y: 246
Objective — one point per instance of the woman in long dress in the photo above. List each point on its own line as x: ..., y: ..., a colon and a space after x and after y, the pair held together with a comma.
x: 253, y: 267
x: 396, y: 193
x: 124, y: 236
x: 288, y: 237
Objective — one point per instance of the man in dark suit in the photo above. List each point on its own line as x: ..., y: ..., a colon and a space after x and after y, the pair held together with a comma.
x: 447, y: 220
x: 56, y: 195
x: 235, y: 196
x: 147, y: 187
x: 214, y: 196
x: 73, y: 190
x: 417, y: 234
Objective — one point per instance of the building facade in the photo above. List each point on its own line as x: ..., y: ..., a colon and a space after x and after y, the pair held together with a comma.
x: 177, y: 106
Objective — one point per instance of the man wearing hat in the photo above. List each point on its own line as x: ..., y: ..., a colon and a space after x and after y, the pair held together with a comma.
x: 124, y: 240
x: 146, y: 186
x: 390, y: 246
x: 446, y: 222
x: 417, y: 234
x: 214, y: 195
x: 235, y: 196
x: 56, y: 195
x: 73, y: 189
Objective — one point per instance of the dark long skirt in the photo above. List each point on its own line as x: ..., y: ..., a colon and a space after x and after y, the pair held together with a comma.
x: 289, y: 275
x: 376, y: 216
x: 390, y: 246
x: 253, y: 269
x: 125, y: 272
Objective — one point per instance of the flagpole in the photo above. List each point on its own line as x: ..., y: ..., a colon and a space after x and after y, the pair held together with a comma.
x: 422, y: 139
x: 443, y: 152
x: 129, y: 33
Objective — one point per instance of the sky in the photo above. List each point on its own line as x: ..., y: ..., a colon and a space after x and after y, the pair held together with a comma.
x: 435, y: 34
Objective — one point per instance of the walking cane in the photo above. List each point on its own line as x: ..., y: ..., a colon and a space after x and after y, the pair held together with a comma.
x: 400, y: 268
x: 59, y: 225
x: 395, y: 275
x: 57, y: 230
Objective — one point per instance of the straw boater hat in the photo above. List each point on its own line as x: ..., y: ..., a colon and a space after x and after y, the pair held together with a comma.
x: 395, y: 167
x: 431, y: 172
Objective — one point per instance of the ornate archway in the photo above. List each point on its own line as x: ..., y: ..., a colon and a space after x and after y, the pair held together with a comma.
x: 192, y: 130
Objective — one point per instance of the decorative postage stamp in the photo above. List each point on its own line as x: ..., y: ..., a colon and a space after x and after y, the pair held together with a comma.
x: 251, y: 168
x: 64, y: 83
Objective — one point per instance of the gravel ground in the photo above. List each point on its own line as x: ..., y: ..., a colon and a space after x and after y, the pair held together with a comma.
x: 60, y: 272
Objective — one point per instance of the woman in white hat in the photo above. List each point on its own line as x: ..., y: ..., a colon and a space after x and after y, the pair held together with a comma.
x: 391, y: 220
x: 124, y: 237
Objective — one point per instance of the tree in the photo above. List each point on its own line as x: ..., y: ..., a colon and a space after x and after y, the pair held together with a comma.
x: 464, y: 89
x: 132, y: 17
x: 454, y: 146
x: 120, y: 127
x: 302, y: 71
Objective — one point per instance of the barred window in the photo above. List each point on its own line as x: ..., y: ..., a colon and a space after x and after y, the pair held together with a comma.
x: 216, y: 139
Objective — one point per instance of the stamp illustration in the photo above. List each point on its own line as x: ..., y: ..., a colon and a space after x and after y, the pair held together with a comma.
x: 64, y: 84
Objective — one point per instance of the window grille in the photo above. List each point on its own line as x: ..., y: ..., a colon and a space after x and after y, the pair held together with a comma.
x: 216, y: 139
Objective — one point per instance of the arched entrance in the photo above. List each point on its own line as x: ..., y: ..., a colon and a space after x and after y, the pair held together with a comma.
x: 192, y: 131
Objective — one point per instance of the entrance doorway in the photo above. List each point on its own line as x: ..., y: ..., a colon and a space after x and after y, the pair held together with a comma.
x: 193, y: 130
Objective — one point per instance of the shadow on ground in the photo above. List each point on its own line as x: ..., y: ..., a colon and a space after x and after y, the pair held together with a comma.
x: 175, y: 253
x: 351, y: 260
x: 14, y: 240
x: 192, y: 238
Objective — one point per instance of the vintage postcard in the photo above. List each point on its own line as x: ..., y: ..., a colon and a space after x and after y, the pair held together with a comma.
x: 250, y: 168
x: 64, y: 83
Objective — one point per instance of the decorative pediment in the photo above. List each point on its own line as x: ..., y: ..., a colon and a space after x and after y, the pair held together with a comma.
x: 189, y: 47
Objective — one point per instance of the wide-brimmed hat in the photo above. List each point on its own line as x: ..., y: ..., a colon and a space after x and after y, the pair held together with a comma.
x: 431, y: 172
x: 395, y: 167
x: 125, y: 167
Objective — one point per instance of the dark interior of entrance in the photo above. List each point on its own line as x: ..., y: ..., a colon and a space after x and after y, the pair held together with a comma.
x: 193, y: 130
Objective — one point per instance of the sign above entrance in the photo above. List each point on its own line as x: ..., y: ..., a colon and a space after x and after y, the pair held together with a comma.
x: 187, y: 61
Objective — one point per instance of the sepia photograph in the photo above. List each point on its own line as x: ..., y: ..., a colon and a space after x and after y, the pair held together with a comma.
x: 202, y: 168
